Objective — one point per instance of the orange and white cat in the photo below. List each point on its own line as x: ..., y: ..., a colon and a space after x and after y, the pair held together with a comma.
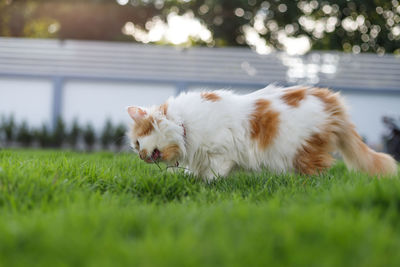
x: 282, y: 129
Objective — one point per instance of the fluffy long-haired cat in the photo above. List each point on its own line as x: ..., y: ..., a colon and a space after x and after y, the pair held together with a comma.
x: 282, y: 129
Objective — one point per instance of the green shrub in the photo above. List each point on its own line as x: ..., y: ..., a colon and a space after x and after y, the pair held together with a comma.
x: 2, y: 137
x: 119, y: 136
x: 74, y: 134
x: 43, y: 136
x: 89, y: 136
x: 8, y: 126
x: 107, y: 134
x: 58, y: 135
x: 24, y: 135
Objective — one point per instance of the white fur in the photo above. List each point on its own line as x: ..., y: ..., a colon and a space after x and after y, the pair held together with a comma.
x: 218, y: 134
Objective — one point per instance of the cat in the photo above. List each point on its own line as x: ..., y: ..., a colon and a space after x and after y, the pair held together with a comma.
x: 292, y: 129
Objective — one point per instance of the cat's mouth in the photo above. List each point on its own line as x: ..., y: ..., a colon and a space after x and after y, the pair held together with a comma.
x: 169, y: 154
x: 155, y: 156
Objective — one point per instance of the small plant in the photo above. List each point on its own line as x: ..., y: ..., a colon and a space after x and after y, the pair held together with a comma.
x: 24, y: 135
x: 43, y: 136
x: 9, y: 129
x: 89, y: 136
x: 2, y: 130
x: 119, y: 136
x: 110, y: 137
x: 107, y: 134
x: 58, y: 136
x: 74, y: 133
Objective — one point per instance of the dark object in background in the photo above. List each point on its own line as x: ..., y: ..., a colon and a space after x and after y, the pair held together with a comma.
x: 392, y: 140
x: 43, y: 136
x: 58, y: 137
x: 8, y: 126
x: 107, y: 135
x: 24, y: 135
x: 13, y: 134
x: 119, y: 136
x: 74, y: 134
x: 89, y: 137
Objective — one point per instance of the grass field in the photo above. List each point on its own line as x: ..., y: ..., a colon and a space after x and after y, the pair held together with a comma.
x: 101, y: 209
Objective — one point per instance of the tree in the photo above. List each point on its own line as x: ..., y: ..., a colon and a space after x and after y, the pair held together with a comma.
x: 349, y: 25
x: 66, y: 19
x: 355, y: 25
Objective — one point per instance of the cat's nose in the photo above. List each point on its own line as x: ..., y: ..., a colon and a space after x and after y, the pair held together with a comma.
x: 143, y: 154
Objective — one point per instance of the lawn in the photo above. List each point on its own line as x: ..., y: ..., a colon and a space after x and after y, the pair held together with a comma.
x: 104, y: 209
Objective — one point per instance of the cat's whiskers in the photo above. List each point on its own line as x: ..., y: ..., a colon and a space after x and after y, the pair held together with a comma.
x: 166, y: 168
x: 158, y: 165
x: 172, y: 166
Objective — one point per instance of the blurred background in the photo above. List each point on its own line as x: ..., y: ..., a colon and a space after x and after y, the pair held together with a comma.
x: 68, y: 68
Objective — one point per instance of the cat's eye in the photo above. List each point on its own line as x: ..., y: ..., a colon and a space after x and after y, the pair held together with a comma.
x: 137, y: 144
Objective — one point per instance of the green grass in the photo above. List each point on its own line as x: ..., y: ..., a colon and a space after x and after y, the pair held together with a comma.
x: 101, y: 209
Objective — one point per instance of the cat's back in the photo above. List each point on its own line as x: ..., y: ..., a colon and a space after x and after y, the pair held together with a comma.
x: 286, y: 100
x: 298, y: 110
x: 218, y: 104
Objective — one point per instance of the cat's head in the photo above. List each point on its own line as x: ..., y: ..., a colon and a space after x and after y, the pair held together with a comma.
x: 154, y: 137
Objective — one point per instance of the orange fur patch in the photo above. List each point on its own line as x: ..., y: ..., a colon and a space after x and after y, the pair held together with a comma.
x: 292, y: 97
x: 264, y: 123
x: 331, y: 101
x: 143, y: 154
x: 144, y: 127
x: 337, y: 120
x: 213, y: 97
x: 170, y: 153
x: 164, y: 108
x: 314, y: 156
x: 339, y: 132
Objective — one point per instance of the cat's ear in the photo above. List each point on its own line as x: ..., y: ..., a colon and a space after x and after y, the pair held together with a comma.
x: 136, y: 113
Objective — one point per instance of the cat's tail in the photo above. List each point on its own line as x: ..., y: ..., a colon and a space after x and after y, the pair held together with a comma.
x: 358, y: 156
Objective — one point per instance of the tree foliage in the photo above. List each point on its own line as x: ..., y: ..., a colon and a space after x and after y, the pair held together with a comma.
x: 349, y: 25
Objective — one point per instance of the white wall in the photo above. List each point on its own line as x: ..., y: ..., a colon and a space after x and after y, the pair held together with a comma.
x: 27, y: 99
x: 94, y: 102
